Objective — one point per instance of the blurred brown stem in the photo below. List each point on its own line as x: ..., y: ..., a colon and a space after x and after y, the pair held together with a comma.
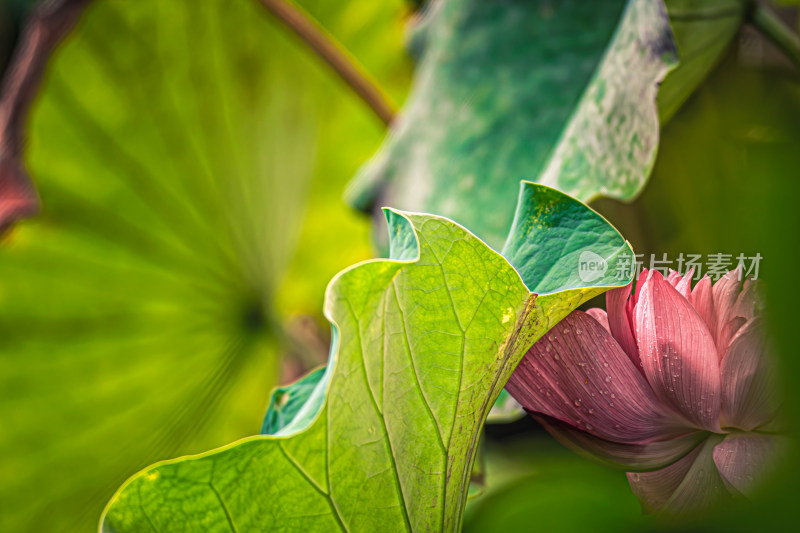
x: 326, y: 47
x: 769, y: 25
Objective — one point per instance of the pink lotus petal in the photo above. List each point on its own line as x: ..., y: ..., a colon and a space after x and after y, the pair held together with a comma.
x: 703, y: 302
x: 577, y: 373
x: 601, y: 317
x: 673, y: 277
x: 678, y: 354
x: 654, y: 489
x: 726, y: 334
x: 745, y: 460
x: 684, y: 286
x: 630, y: 457
x: 748, y: 303
x: 726, y: 290
x: 690, y: 484
x: 619, y: 321
x: 748, y: 384
x: 640, y: 281
x: 634, y: 297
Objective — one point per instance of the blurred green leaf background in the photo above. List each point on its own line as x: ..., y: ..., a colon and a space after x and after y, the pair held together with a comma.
x: 191, y: 158
x: 181, y: 151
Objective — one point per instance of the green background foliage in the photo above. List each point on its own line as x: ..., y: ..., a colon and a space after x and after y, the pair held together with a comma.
x: 177, y: 148
x: 137, y: 325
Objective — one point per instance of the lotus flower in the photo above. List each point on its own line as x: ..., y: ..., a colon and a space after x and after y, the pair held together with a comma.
x: 671, y: 384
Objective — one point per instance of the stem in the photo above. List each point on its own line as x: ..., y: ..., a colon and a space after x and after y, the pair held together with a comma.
x: 331, y: 52
x: 769, y: 25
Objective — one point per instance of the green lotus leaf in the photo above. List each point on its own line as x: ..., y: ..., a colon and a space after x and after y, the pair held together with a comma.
x: 295, y: 405
x: 703, y: 31
x: 563, y: 93
x: 424, y: 343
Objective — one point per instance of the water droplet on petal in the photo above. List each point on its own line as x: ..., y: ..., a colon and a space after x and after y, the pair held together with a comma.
x: 608, y: 379
x: 578, y: 402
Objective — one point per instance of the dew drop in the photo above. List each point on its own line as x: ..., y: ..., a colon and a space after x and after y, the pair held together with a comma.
x: 578, y: 331
x: 605, y: 364
x: 608, y: 379
x: 591, y: 411
x: 566, y: 331
x: 556, y: 357
x: 588, y: 426
x: 578, y: 402
x: 548, y: 348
